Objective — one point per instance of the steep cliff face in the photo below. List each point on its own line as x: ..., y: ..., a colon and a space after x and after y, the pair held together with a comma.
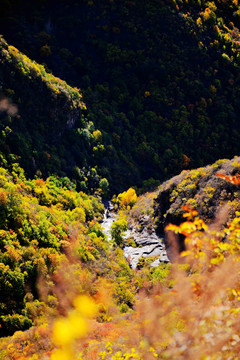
x: 199, y: 189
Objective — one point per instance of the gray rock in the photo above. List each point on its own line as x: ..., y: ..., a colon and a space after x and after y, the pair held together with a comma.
x: 147, y: 241
x: 148, y: 244
x: 134, y: 254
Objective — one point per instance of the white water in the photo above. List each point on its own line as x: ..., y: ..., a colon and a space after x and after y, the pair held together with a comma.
x: 108, y: 219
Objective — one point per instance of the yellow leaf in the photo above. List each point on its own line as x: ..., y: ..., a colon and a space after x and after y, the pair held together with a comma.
x: 185, y: 253
x: 224, y: 246
x: 216, y: 260
x: 187, y: 227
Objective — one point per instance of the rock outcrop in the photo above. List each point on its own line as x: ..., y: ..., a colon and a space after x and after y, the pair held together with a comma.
x: 199, y: 189
x: 141, y: 237
x: 147, y: 243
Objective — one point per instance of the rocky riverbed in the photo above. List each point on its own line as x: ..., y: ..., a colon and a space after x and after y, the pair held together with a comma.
x: 146, y: 242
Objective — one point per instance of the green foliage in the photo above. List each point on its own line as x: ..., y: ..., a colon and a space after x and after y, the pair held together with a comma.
x: 160, y: 273
x: 104, y: 186
x: 37, y: 222
x: 117, y: 231
x: 44, y: 222
x: 11, y: 323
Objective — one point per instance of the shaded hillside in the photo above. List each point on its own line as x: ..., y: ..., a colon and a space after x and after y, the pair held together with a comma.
x: 160, y: 79
x: 42, y: 122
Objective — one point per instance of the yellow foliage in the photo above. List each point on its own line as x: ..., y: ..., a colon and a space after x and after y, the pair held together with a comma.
x: 97, y: 135
x: 61, y: 355
x: 67, y: 329
x: 206, y: 14
x: 127, y: 198
x: 56, y: 85
x: 62, y: 332
x: 85, y: 305
x: 199, y: 22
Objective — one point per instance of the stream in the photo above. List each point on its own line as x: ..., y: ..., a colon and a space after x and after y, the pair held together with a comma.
x: 108, y: 218
x: 148, y: 244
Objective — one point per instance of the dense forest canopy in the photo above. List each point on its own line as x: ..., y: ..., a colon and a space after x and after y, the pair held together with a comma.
x: 159, y: 79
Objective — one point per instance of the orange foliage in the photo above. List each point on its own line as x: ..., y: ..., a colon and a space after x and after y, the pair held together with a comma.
x: 232, y: 179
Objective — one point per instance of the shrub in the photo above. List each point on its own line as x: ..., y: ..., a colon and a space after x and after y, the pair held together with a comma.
x: 117, y: 230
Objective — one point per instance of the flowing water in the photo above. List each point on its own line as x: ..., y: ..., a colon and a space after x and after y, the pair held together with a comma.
x: 109, y: 218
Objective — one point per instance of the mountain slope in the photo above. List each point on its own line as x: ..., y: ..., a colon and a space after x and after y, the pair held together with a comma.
x: 209, y: 190
x: 42, y: 121
x: 177, y: 304
x: 160, y: 79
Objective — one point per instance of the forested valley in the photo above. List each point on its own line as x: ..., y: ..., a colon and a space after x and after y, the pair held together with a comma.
x: 119, y: 179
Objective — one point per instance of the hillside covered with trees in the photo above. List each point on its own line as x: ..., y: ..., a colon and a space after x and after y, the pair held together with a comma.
x: 159, y: 79
x: 67, y: 292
